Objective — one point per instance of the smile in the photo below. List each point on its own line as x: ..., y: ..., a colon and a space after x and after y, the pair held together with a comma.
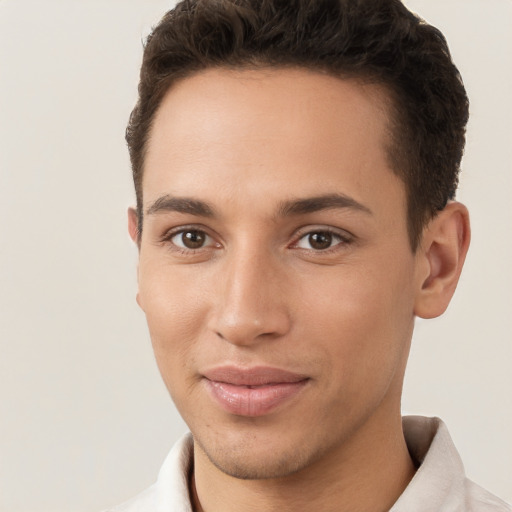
x: 254, y: 391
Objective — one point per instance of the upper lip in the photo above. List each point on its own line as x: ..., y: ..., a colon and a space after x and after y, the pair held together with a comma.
x: 252, y: 376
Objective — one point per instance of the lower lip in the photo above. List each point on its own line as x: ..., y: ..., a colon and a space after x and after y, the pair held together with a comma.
x: 252, y: 401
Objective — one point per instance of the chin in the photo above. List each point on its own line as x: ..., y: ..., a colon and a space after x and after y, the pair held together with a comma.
x: 255, y: 457
x: 257, y: 466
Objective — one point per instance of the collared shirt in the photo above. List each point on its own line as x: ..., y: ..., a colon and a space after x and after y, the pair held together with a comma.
x: 439, y: 485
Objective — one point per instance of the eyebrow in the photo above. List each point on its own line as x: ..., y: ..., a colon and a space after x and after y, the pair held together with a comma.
x: 304, y: 206
x: 318, y: 203
x: 187, y: 205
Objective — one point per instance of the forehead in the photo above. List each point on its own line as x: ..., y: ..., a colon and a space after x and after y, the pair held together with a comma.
x: 294, y: 127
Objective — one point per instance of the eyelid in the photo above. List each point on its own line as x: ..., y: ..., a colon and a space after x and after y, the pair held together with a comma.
x: 345, y: 236
x: 168, y: 235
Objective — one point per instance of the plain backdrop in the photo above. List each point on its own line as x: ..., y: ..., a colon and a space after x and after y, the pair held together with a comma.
x: 85, y: 421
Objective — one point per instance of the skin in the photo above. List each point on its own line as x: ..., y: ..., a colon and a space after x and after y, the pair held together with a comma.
x: 258, y: 292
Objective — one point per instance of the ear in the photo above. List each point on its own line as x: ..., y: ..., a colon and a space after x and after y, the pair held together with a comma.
x: 445, y: 243
x: 133, y: 230
x: 133, y: 225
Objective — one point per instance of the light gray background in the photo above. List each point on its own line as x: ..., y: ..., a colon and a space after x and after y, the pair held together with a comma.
x: 84, y: 420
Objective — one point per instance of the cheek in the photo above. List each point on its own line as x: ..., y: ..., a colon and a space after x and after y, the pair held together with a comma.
x: 169, y: 298
x: 173, y: 307
x: 363, y: 320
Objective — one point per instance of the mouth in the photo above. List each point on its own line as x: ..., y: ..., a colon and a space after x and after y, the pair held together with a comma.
x: 255, y: 391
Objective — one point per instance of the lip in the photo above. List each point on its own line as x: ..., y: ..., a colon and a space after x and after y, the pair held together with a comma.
x: 252, y: 391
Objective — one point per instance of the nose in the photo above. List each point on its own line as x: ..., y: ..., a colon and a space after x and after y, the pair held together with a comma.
x: 250, y: 303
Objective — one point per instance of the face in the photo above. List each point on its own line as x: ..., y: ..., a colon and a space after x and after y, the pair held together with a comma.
x: 275, y: 268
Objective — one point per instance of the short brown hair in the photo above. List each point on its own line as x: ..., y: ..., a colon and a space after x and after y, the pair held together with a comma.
x: 375, y: 40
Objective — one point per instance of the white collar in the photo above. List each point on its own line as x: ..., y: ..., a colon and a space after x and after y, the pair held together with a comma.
x: 439, y: 485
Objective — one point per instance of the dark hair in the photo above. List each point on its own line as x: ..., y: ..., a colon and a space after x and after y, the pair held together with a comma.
x: 375, y: 40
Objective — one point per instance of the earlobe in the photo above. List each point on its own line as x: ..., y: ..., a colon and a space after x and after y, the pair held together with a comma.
x: 133, y: 225
x: 137, y: 299
x: 443, y: 251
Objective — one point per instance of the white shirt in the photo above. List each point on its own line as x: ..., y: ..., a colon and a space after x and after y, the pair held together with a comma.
x: 439, y: 485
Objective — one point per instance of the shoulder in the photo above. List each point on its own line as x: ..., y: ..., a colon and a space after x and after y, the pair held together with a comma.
x: 440, y: 483
x: 480, y: 500
x: 170, y: 492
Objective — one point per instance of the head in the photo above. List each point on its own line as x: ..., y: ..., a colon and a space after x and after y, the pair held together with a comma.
x: 293, y: 163
x: 377, y: 42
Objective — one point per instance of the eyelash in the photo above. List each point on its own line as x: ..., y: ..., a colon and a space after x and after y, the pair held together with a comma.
x: 344, y: 238
x: 169, y: 235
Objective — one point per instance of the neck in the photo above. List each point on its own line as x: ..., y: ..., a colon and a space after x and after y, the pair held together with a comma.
x: 367, y: 473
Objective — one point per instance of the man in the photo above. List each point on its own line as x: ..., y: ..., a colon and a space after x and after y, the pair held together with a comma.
x: 295, y: 166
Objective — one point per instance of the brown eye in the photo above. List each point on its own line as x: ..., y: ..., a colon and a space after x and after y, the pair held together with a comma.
x: 190, y: 239
x: 320, y: 241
